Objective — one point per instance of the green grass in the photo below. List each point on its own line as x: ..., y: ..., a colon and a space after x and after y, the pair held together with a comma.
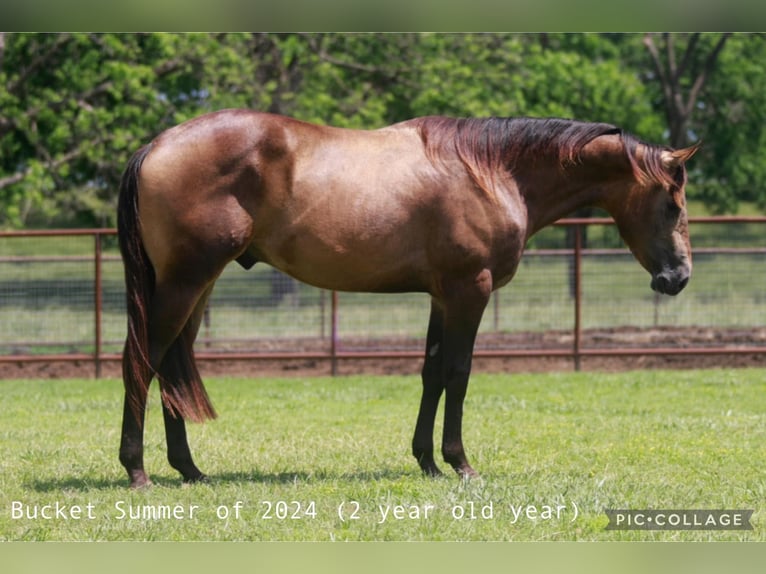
x: 307, y: 449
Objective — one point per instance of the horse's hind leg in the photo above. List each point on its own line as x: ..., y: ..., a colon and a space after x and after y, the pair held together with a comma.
x: 174, y: 365
x: 132, y: 442
x: 172, y: 305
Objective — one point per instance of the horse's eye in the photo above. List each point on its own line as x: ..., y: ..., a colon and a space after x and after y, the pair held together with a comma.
x: 673, y: 209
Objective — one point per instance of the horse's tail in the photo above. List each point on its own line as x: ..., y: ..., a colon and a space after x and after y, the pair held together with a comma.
x: 181, y: 385
x: 139, y: 286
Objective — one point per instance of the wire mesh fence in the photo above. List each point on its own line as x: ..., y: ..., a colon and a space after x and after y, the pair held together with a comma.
x: 62, y: 297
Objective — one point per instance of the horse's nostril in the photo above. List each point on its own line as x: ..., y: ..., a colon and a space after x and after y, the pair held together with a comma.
x: 660, y: 284
x: 668, y: 285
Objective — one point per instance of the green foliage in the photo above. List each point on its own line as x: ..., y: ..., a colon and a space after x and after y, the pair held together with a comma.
x: 75, y: 106
x: 731, y: 127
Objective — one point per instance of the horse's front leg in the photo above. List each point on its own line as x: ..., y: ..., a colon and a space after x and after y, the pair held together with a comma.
x: 433, y: 386
x: 458, y: 369
x: 464, y: 309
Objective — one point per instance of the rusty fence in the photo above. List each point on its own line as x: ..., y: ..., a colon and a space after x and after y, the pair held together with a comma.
x: 577, y: 293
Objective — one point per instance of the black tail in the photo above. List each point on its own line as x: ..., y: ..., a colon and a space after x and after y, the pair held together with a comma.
x: 182, y: 389
x: 139, y: 286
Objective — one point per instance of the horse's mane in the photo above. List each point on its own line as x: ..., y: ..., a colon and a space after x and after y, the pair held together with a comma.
x: 486, y: 145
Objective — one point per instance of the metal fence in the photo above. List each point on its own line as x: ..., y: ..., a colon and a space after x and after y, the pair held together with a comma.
x: 577, y: 293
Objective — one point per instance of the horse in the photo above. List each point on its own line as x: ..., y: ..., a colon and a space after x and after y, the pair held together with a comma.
x: 438, y: 205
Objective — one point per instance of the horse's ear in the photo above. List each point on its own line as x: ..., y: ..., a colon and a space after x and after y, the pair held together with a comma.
x: 671, y: 159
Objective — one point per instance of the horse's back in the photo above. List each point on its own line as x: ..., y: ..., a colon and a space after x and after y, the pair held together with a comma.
x: 221, y: 144
x: 357, y: 210
x: 239, y: 183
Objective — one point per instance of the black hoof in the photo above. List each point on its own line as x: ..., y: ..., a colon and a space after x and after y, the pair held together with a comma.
x: 196, y: 479
x: 431, y: 470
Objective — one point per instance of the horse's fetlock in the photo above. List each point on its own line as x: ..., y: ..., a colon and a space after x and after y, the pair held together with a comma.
x: 130, y: 459
x: 454, y: 455
x: 179, y: 462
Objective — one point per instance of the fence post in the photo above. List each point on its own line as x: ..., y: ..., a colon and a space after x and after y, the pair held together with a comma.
x: 578, y: 296
x: 334, y: 334
x: 97, y: 286
x: 322, y: 296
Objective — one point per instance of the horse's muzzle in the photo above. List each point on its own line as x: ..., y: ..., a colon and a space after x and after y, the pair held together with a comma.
x: 670, y: 283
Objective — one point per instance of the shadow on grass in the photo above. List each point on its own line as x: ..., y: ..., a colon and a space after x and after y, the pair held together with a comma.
x: 75, y: 483
x: 289, y: 477
x: 80, y: 484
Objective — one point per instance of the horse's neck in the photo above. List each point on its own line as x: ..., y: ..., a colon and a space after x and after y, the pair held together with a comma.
x: 601, y: 176
x: 552, y: 200
x: 558, y: 194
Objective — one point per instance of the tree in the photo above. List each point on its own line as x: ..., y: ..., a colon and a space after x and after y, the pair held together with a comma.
x: 731, y: 120
x: 76, y: 105
x: 682, y: 70
x: 712, y: 88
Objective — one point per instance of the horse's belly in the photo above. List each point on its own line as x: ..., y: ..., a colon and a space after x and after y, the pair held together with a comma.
x: 371, y: 266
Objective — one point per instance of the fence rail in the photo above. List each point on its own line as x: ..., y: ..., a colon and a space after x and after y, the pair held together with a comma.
x: 62, y: 299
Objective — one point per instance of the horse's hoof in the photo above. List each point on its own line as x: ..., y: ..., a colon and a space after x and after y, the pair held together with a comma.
x: 140, y: 484
x: 431, y: 470
x: 138, y: 479
x: 196, y: 479
x: 466, y: 473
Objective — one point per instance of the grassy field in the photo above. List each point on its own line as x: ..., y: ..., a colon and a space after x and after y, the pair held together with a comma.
x: 328, y: 459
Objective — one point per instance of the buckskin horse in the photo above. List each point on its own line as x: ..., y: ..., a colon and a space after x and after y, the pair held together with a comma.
x: 438, y: 205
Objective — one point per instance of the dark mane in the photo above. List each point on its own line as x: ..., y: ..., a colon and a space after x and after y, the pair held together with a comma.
x: 487, y: 145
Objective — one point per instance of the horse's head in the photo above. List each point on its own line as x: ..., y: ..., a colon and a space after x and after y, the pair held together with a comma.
x: 652, y: 217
